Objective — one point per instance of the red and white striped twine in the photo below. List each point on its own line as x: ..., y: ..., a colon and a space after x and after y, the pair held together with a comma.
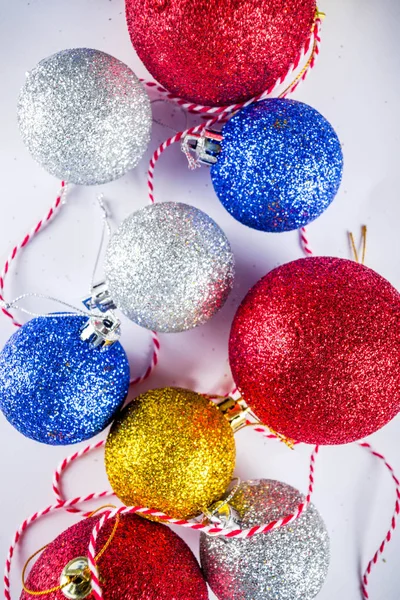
x: 221, y: 112
x: 153, y: 363
x: 263, y: 430
x: 304, y: 242
x: 210, y: 529
x: 64, y: 464
x: 393, y: 523
x: 32, y: 519
x: 72, y: 506
x: 49, y: 216
x: 192, y: 524
x: 178, y: 137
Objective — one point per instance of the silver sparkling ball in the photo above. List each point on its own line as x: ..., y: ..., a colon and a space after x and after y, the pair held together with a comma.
x: 169, y: 267
x: 84, y: 116
x: 290, y: 563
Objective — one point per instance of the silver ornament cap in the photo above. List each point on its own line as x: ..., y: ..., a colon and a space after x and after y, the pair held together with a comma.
x: 84, y: 116
x: 101, y: 331
x: 206, y: 146
x: 100, y: 298
x: 290, y: 563
x: 169, y: 267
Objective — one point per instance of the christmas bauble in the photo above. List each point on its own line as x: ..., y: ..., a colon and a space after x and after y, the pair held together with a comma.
x: 144, y: 560
x: 169, y: 267
x: 280, y: 166
x: 84, y: 116
x: 314, y: 349
x: 170, y: 450
x: 290, y: 563
x: 217, y: 52
x: 56, y: 388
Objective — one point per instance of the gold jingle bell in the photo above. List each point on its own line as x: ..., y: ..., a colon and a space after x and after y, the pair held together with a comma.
x: 75, y: 580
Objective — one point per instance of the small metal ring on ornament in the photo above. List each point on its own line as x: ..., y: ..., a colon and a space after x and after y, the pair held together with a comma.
x: 221, y: 503
x: 69, y: 579
x: 257, y: 423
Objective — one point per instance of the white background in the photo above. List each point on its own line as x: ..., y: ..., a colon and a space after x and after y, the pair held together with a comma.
x: 356, y: 86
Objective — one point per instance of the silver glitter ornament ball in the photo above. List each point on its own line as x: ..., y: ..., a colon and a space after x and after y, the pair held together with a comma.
x: 290, y: 563
x: 84, y: 116
x: 169, y: 267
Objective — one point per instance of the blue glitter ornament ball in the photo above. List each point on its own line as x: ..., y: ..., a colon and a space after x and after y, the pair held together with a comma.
x: 56, y: 388
x: 280, y: 166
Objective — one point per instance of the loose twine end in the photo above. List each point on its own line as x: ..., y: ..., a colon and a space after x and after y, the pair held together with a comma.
x: 363, y: 245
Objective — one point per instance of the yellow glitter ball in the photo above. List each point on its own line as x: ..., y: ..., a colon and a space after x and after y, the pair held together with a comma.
x: 172, y: 450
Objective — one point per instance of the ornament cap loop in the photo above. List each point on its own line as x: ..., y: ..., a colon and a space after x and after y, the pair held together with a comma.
x: 100, y: 298
x: 221, y: 513
x: 236, y: 411
x: 75, y: 580
x: 102, y: 331
x: 206, y: 146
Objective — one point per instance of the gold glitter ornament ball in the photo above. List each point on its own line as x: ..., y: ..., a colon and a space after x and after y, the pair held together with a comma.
x: 84, y: 116
x: 171, y: 450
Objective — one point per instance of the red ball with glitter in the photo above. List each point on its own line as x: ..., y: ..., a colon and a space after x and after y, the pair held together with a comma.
x: 218, y: 52
x: 143, y: 560
x: 315, y: 350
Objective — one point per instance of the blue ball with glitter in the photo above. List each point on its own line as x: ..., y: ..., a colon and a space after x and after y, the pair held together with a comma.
x: 280, y: 165
x: 56, y: 388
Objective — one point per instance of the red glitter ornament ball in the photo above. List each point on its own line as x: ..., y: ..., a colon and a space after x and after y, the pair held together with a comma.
x: 144, y: 560
x: 315, y: 350
x: 217, y: 52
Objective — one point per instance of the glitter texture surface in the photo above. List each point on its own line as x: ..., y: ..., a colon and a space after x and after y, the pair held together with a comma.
x: 171, y: 450
x: 84, y: 116
x: 290, y: 563
x: 169, y: 267
x: 217, y: 52
x: 145, y: 561
x: 57, y: 389
x: 280, y: 167
x: 314, y: 349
